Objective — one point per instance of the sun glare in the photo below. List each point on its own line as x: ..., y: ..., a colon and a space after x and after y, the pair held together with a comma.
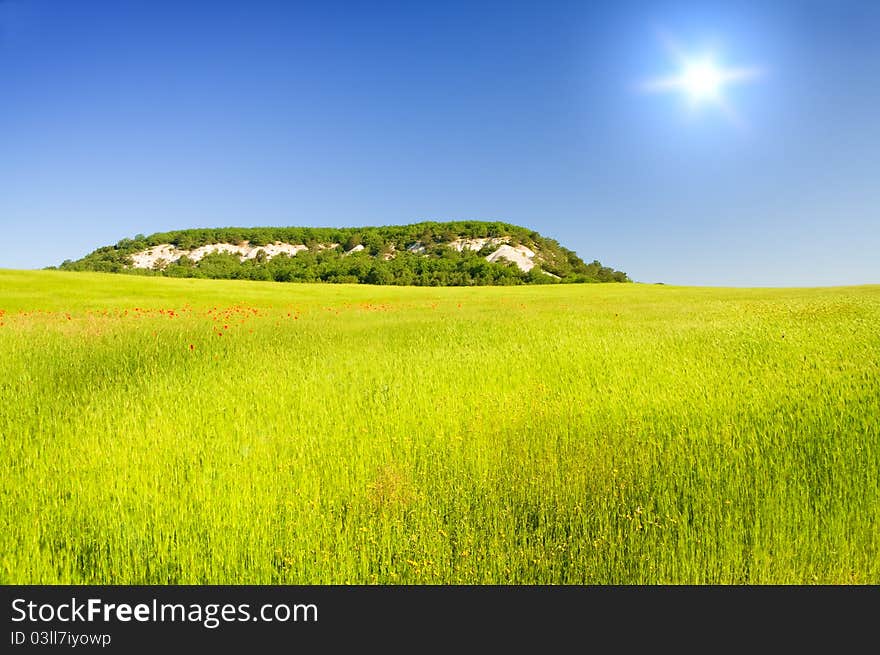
x: 702, y: 80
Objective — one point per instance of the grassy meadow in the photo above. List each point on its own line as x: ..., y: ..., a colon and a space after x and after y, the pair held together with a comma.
x: 193, y: 431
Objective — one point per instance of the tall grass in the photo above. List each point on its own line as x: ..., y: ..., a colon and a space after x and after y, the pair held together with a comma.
x: 187, y: 431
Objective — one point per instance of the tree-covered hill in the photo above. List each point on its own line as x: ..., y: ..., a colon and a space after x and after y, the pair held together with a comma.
x: 425, y: 254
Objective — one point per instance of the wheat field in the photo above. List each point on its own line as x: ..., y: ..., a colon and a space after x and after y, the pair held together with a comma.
x: 164, y: 431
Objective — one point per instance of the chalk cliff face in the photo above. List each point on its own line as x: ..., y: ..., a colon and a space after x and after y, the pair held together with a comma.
x: 429, y: 253
x: 167, y: 253
x: 160, y: 256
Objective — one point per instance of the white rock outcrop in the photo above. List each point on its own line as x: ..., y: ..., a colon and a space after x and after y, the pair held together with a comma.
x: 477, y: 243
x: 519, y: 255
x: 167, y: 253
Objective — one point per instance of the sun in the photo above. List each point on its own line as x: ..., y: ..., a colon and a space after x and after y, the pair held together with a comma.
x: 701, y: 79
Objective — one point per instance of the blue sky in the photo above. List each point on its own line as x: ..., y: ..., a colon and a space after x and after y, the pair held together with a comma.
x: 120, y: 117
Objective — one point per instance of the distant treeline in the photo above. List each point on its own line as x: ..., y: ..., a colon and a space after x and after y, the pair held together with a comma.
x: 383, y: 260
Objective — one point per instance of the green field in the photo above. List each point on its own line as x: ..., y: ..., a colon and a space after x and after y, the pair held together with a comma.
x: 193, y: 431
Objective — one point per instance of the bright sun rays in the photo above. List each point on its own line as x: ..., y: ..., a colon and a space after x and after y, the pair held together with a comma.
x: 701, y: 79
